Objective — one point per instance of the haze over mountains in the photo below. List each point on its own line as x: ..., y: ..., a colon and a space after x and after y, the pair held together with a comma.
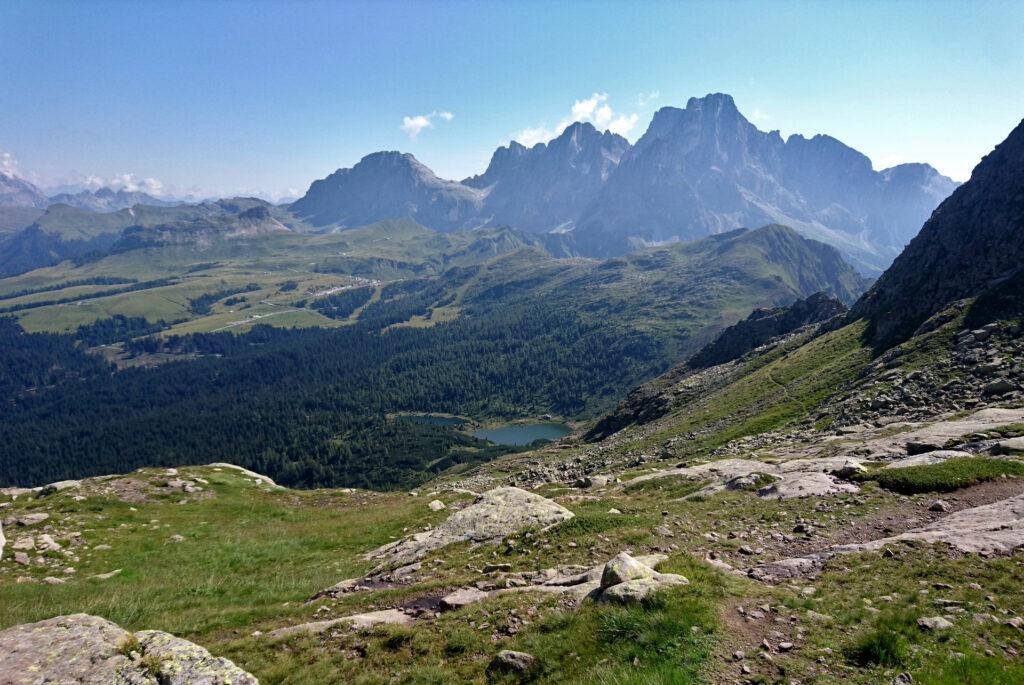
x: 696, y: 171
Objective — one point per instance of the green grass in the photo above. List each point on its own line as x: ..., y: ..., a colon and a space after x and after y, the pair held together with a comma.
x: 945, y: 476
x: 972, y: 669
x: 772, y: 391
x: 885, y: 644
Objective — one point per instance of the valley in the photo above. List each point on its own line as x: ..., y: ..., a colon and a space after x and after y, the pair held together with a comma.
x: 651, y: 396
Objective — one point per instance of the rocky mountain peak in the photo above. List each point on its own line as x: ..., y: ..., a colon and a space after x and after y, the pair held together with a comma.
x: 972, y: 243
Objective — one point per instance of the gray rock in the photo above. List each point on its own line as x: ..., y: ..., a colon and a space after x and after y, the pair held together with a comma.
x: 1011, y: 446
x: 88, y: 650
x: 496, y: 514
x: 634, y: 591
x: 180, y: 662
x: 921, y: 447
x: 624, y: 568
x: 33, y: 519
x: 463, y: 597
x: 933, y: 623
x: 939, y: 505
x: 512, y: 662
x: 436, y: 505
x: 999, y: 386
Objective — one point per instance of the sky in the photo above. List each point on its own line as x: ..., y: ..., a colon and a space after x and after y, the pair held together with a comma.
x: 229, y: 97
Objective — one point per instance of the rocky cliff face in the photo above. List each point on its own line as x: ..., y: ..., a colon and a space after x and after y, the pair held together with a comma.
x: 974, y: 242
x: 706, y: 169
x: 389, y: 185
x: 545, y: 187
x: 16, y: 192
x: 696, y: 171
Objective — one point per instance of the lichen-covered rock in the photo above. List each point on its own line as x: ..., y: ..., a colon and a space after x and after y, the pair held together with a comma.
x: 509, y: 661
x: 496, y: 514
x: 88, y: 650
x: 634, y: 591
x: 623, y: 568
x: 180, y: 662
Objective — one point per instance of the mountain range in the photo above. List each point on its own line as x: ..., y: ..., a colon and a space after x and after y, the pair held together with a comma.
x: 696, y: 171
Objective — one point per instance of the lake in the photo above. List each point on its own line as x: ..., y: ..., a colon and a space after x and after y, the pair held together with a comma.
x: 522, y: 433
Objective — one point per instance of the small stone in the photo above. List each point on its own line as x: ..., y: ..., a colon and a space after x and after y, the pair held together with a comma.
x: 436, y: 505
x: 939, y: 505
x: 512, y: 662
x: 785, y: 646
x: 933, y: 623
x: 497, y: 568
x: 50, y: 580
x: 177, y: 538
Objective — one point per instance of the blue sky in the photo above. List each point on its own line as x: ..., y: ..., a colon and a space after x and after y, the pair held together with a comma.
x: 242, y: 97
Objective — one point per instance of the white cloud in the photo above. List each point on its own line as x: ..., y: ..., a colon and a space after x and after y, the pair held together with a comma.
x: 414, y: 125
x: 644, y: 99
x: 132, y: 183
x: 594, y: 110
x: 623, y: 125
x: 8, y: 164
x: 759, y: 115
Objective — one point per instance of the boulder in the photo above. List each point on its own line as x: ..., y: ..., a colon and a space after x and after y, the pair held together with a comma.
x: 1000, y: 386
x: 623, y: 568
x: 922, y: 447
x: 496, y: 514
x: 1011, y: 446
x: 850, y: 469
x: 436, y: 505
x: 32, y: 519
x: 634, y: 591
x: 508, y: 661
x: 463, y: 597
x: 933, y: 623
x: 88, y: 650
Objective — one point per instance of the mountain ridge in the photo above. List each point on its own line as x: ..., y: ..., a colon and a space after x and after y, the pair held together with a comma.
x: 697, y: 170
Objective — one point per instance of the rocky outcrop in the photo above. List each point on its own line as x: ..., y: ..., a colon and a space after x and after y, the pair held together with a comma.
x: 496, y: 514
x: 764, y: 324
x: 17, y: 192
x: 389, y: 185
x: 972, y: 243
x: 545, y: 187
x: 706, y: 169
x: 89, y: 650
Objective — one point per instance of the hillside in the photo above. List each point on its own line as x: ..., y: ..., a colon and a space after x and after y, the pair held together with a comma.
x: 973, y: 242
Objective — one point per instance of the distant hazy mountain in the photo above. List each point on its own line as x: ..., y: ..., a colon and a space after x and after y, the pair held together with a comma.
x: 972, y: 245
x: 706, y: 169
x: 545, y: 187
x: 109, y: 200
x: 696, y: 171
x: 65, y: 232
x: 389, y: 185
x: 17, y: 192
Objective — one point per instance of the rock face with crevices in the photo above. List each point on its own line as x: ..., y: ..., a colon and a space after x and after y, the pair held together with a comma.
x: 88, y: 650
x: 496, y: 514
